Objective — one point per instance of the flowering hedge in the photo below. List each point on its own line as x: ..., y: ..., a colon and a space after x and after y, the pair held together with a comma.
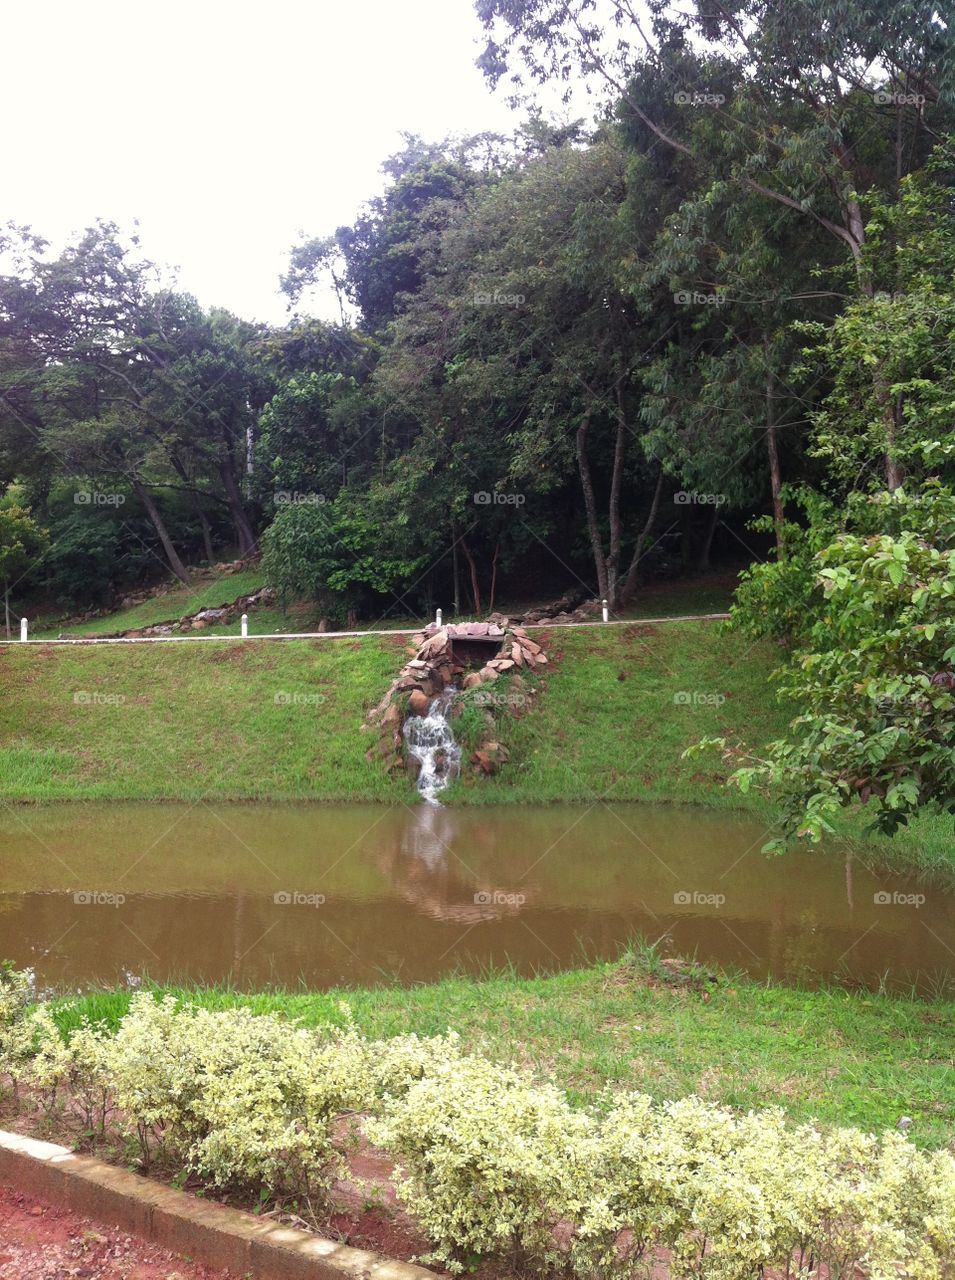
x: 496, y: 1165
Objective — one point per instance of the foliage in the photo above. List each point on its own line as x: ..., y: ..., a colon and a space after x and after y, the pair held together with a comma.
x: 780, y: 597
x: 874, y: 681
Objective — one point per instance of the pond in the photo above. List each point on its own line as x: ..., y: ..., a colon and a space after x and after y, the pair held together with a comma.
x: 294, y: 895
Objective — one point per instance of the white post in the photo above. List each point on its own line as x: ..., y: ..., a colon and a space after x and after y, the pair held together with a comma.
x: 605, y: 612
x: 245, y: 625
x: 23, y: 630
x: 437, y: 618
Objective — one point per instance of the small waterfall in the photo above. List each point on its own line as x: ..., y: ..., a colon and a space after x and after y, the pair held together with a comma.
x: 431, y: 742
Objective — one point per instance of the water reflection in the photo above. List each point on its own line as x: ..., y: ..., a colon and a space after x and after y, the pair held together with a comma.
x: 325, y: 896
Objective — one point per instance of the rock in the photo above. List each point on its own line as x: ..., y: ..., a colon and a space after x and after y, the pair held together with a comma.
x: 417, y: 664
x: 519, y: 631
x: 487, y: 674
x: 470, y: 680
x: 199, y: 624
x: 418, y: 703
x: 529, y: 646
x: 517, y: 655
x: 392, y: 715
x: 489, y: 757
x: 504, y: 664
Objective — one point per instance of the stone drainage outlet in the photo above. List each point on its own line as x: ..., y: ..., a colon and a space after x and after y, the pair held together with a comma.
x: 458, y: 656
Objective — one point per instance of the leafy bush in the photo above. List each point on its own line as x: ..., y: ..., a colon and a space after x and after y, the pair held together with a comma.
x: 491, y: 1162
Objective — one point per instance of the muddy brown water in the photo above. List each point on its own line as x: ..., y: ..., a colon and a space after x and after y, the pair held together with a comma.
x: 295, y: 895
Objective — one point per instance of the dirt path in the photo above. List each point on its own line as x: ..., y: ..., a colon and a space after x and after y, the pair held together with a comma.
x: 39, y: 1242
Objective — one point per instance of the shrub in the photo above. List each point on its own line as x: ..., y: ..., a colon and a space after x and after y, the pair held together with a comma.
x: 493, y: 1162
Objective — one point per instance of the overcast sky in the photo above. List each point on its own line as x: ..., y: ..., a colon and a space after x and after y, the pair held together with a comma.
x: 226, y: 129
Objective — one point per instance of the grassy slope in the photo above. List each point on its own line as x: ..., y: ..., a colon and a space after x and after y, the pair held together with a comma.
x: 207, y: 591
x: 196, y: 720
x: 845, y: 1058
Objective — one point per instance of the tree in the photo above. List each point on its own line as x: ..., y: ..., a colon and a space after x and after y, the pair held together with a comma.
x: 804, y: 105
x: 874, y: 681
x: 22, y: 543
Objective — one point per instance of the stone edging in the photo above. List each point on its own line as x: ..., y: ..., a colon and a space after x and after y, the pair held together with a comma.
x: 211, y: 1233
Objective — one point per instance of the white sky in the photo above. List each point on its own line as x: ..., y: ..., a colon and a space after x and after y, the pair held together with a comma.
x: 226, y: 128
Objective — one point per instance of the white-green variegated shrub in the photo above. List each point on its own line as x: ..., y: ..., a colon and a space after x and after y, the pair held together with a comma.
x: 238, y: 1099
x: 16, y: 1032
x: 492, y: 1162
x: 499, y: 1168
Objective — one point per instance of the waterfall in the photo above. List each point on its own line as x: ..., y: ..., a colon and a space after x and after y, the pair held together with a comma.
x: 431, y: 742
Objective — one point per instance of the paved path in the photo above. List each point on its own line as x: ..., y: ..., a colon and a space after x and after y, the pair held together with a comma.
x: 340, y: 635
x: 41, y: 1242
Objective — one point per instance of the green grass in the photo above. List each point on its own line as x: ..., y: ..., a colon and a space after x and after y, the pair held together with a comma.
x: 841, y: 1057
x: 227, y: 721
x: 208, y: 590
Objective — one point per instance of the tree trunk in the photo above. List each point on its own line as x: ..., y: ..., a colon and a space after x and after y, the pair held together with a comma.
x: 248, y: 546
x: 182, y: 473
x: 704, y: 561
x: 490, y: 603
x: 613, y: 559
x: 455, y: 575
x: 775, y: 480
x: 590, y: 505
x: 630, y: 582
x: 172, y: 556
x: 475, y: 588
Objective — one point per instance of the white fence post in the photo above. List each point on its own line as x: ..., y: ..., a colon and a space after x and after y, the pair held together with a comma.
x: 244, y: 624
x: 437, y: 617
x: 605, y: 612
x: 23, y: 630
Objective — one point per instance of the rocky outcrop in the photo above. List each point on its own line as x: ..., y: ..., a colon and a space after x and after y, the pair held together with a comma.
x: 467, y: 655
x: 229, y: 612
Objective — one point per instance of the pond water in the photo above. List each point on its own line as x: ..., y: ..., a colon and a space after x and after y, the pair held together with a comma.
x: 295, y: 894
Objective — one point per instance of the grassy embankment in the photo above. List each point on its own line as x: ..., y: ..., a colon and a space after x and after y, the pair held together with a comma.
x: 841, y: 1057
x: 210, y: 590
x: 232, y: 721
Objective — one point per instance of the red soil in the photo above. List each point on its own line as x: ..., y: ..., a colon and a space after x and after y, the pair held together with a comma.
x: 39, y: 1242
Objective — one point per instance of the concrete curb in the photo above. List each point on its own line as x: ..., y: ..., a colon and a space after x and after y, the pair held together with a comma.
x: 210, y: 1233
x: 342, y: 635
